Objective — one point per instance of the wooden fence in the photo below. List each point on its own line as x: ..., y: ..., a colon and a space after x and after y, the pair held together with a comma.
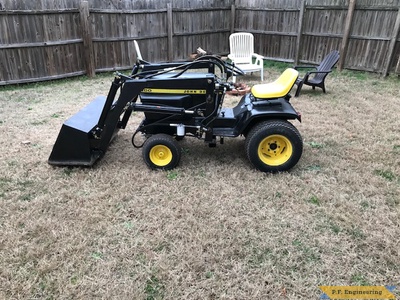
x: 43, y: 39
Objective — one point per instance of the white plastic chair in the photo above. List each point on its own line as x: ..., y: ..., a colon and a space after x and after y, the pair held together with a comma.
x: 241, y: 45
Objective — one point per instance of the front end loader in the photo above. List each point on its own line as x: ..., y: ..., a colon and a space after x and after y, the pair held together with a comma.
x: 185, y: 100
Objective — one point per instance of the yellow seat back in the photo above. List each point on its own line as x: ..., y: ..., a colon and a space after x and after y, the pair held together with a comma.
x: 279, y: 88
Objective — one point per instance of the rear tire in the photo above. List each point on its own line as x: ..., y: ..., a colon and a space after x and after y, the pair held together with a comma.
x: 161, y: 151
x: 274, y: 146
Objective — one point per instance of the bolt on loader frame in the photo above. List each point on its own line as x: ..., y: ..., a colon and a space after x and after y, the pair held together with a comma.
x: 185, y: 99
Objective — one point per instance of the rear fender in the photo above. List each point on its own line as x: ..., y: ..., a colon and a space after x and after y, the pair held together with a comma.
x: 255, y: 112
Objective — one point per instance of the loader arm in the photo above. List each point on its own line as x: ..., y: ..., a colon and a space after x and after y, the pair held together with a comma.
x: 110, y: 117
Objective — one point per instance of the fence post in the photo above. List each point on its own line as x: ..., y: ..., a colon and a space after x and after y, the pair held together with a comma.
x: 345, y: 40
x: 87, y: 38
x: 392, y: 44
x: 397, y: 69
x: 170, y: 32
x: 298, y: 38
x: 233, y: 12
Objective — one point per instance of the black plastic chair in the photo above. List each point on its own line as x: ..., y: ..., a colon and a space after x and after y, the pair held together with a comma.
x: 317, y: 78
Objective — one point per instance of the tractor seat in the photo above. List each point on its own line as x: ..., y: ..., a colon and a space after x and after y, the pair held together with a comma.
x: 279, y: 88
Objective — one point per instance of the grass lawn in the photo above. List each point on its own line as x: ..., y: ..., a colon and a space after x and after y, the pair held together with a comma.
x: 213, y: 228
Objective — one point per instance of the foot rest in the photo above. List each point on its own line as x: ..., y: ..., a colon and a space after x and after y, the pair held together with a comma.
x: 279, y: 88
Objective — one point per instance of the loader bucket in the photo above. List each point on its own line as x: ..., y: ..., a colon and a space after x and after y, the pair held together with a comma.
x: 84, y: 138
x: 74, y: 144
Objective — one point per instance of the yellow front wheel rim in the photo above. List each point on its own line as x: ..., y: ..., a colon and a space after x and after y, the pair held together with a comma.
x: 160, y: 155
x: 275, y: 150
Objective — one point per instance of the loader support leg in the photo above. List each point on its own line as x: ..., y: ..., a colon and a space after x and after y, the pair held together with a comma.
x: 110, y: 99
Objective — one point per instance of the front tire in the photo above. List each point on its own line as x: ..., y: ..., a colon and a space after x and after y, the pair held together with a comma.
x: 274, y: 146
x: 161, y: 151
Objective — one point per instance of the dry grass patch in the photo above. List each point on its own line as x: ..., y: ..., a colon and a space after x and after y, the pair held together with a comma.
x: 214, y: 227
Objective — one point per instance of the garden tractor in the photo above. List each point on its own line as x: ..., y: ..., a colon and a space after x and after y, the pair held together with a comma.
x: 185, y: 99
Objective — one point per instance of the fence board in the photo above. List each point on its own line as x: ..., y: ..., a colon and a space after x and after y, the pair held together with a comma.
x: 323, y: 30
x: 42, y: 39
x: 392, y: 44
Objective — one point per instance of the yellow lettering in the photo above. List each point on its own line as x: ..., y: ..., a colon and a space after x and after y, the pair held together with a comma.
x: 173, y: 91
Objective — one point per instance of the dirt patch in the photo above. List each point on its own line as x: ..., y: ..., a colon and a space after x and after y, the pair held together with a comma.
x: 213, y: 227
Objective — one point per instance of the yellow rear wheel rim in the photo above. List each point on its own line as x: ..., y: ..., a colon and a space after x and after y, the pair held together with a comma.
x: 160, y: 155
x: 275, y: 150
